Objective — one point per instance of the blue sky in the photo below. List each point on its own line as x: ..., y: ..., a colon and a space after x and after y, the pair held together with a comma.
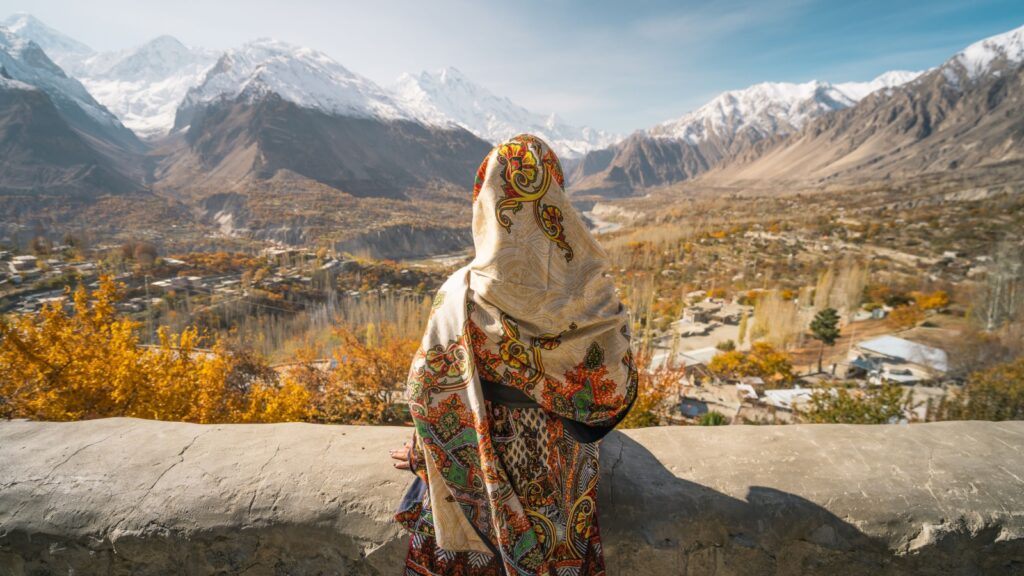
x: 617, y: 66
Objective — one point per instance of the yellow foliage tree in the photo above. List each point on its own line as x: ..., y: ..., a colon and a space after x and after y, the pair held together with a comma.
x: 654, y: 389
x: 369, y: 378
x: 937, y: 300
x: 87, y: 363
x: 907, y: 316
x: 763, y: 361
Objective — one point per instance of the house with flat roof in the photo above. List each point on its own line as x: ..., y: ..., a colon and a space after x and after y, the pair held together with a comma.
x: 892, y: 359
x: 694, y: 362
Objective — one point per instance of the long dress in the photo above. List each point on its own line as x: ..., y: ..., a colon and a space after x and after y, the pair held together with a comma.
x: 553, y: 464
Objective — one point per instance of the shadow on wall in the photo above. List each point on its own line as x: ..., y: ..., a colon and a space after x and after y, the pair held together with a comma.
x: 668, y: 525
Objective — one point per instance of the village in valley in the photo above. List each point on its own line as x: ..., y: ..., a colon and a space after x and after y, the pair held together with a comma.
x: 723, y: 293
x: 278, y: 296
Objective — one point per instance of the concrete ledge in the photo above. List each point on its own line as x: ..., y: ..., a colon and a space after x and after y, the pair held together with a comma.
x: 124, y: 496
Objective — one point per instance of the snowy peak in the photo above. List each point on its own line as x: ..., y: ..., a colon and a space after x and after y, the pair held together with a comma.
x: 857, y: 91
x: 144, y: 86
x: 1006, y: 49
x: 448, y: 98
x: 303, y: 76
x: 768, y: 108
x: 24, y: 61
x: 772, y: 108
x: 157, y: 59
x: 56, y: 45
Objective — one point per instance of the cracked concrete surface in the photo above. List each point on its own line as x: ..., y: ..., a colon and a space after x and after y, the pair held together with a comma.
x: 123, y: 496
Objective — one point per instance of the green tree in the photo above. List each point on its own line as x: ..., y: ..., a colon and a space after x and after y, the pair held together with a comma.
x: 713, y: 418
x: 840, y: 405
x: 825, y: 328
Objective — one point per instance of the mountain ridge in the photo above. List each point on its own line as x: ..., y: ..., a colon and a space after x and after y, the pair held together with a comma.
x: 966, y: 112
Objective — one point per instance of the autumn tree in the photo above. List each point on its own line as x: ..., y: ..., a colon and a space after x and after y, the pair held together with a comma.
x: 907, y: 316
x: 777, y: 320
x: 654, y: 389
x: 762, y: 361
x: 1002, y: 297
x: 937, y: 300
x: 742, y: 328
x: 56, y: 365
x: 825, y: 329
x: 996, y: 393
x: 370, y: 376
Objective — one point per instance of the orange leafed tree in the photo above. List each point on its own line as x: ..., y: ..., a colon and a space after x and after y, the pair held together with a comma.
x: 655, y: 389
x: 87, y: 363
x: 907, y: 316
x: 369, y: 377
x: 762, y: 360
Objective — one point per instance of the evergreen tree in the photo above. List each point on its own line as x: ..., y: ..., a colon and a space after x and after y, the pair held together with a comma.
x: 825, y: 328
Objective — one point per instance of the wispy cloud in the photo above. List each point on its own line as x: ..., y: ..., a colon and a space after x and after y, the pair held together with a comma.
x: 606, y: 63
x: 713, y: 20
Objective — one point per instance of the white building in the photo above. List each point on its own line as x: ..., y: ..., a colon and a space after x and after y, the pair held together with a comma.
x: 892, y: 359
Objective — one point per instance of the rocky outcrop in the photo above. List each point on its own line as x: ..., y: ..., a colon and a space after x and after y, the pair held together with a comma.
x: 124, y: 496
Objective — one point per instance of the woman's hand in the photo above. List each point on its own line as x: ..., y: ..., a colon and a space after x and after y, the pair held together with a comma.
x: 403, y: 455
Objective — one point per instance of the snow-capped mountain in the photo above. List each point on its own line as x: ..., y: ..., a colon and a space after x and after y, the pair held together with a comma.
x: 65, y: 51
x: 270, y: 108
x: 447, y: 97
x: 966, y: 114
x: 23, y: 60
x: 144, y: 86
x: 857, y: 91
x: 302, y: 76
x: 988, y: 55
x: 57, y: 140
x: 728, y: 126
x: 772, y: 108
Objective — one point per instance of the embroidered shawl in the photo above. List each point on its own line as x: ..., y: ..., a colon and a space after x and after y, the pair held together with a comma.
x: 534, y: 310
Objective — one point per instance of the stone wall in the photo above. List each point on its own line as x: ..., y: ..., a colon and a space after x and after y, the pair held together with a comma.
x: 123, y: 496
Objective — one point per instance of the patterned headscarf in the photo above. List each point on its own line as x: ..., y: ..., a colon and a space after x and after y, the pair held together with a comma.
x: 534, y: 310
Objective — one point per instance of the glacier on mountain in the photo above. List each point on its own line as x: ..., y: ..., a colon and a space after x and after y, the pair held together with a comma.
x: 447, y: 97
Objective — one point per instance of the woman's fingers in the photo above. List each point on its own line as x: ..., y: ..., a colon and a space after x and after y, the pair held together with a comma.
x: 403, y: 455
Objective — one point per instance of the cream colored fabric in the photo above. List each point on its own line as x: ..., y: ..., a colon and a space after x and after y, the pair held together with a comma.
x: 536, y: 310
x: 451, y: 528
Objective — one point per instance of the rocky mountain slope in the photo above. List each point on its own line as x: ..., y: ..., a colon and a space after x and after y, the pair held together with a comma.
x: 26, y: 61
x: 55, y: 137
x: 268, y: 107
x: 967, y: 112
x: 731, y: 124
